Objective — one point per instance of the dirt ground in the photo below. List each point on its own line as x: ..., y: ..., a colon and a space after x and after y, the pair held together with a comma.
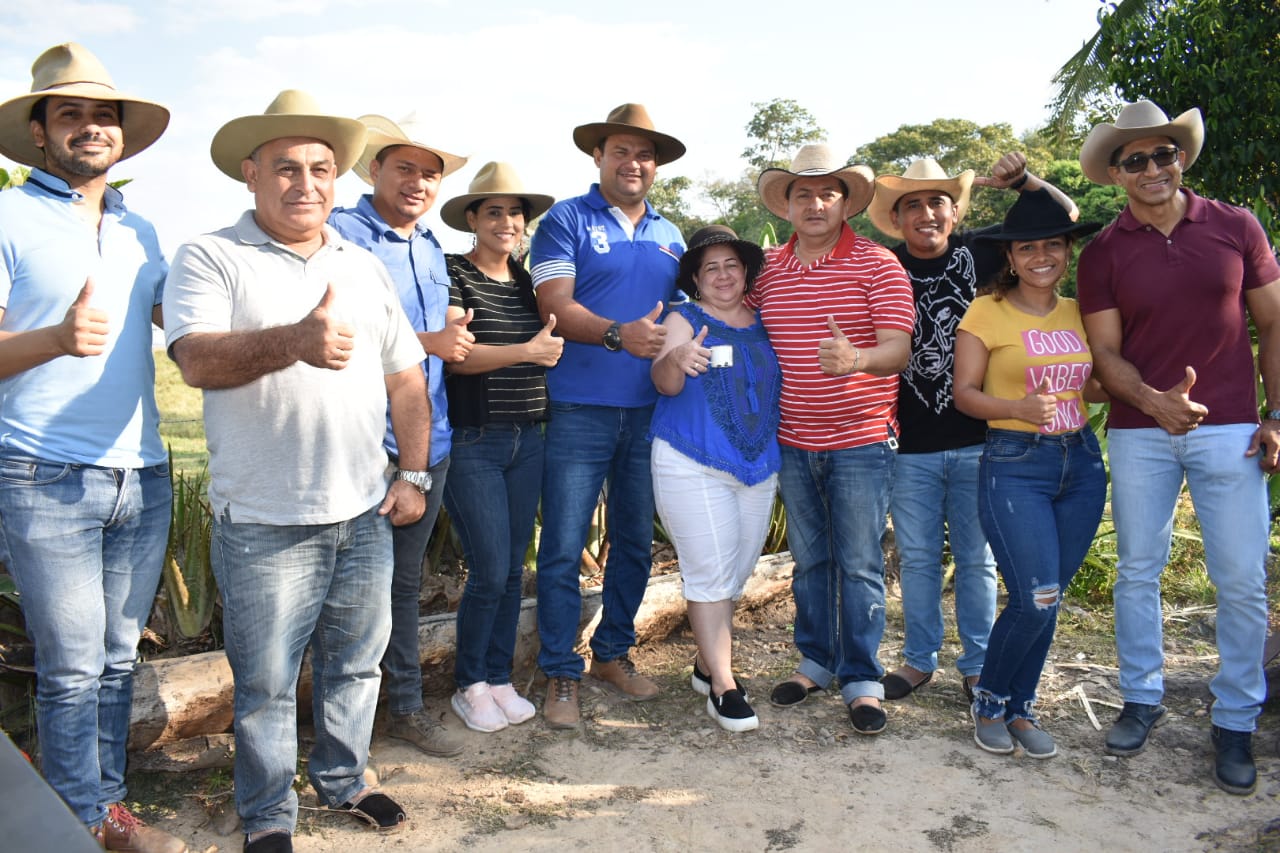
x: 661, y: 776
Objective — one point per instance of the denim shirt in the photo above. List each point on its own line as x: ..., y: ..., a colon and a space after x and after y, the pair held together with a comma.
x: 417, y: 267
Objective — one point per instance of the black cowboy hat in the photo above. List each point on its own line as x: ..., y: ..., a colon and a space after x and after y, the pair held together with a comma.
x: 712, y: 235
x: 1035, y: 216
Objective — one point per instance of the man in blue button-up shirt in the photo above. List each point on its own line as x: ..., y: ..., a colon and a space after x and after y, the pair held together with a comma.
x: 406, y: 174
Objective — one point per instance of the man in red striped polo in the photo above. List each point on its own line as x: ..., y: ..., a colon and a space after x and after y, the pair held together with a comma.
x: 839, y: 312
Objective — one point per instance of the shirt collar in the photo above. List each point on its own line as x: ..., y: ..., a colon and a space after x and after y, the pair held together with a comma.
x: 842, y: 249
x: 1197, y: 210
x: 55, y: 187
x: 366, y: 209
x: 596, y: 200
x: 250, y: 233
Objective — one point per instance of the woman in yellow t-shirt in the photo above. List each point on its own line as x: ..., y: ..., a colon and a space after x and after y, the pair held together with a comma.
x: 1022, y: 364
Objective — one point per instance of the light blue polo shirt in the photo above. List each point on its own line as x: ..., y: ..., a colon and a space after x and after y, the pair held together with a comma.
x: 617, y: 274
x: 100, y: 410
x: 418, y: 269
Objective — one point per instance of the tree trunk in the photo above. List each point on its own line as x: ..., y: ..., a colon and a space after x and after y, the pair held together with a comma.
x: 179, y: 698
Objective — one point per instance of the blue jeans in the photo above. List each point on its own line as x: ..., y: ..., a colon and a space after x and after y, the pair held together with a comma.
x: 589, y: 448
x: 836, y: 502
x: 1040, y: 499
x: 85, y: 547
x: 284, y: 587
x: 935, y: 495
x: 402, y: 662
x: 1229, y: 492
x: 492, y: 499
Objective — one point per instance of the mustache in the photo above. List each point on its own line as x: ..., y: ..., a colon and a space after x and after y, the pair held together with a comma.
x: 88, y: 137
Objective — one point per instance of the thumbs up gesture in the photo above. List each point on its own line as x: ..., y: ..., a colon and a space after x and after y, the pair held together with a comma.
x: 692, y: 357
x: 1038, y: 407
x: 455, y: 341
x: 545, y: 348
x: 836, y: 355
x: 325, y: 342
x: 643, y: 338
x: 83, y: 331
x: 1175, y: 411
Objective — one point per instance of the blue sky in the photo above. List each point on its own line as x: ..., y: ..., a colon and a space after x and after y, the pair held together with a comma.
x: 506, y: 80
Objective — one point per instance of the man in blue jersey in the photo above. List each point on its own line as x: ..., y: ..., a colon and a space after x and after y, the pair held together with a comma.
x: 84, y: 478
x: 605, y: 264
x: 405, y: 174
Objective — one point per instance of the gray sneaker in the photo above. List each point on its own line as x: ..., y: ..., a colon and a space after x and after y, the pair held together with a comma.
x: 1036, y: 742
x: 425, y: 732
x: 991, y: 735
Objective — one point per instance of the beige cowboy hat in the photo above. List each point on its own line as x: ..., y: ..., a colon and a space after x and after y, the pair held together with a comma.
x: 385, y: 133
x: 494, y: 180
x: 71, y: 71
x: 921, y: 175
x: 1137, y: 121
x: 813, y: 161
x: 292, y: 113
x: 628, y: 118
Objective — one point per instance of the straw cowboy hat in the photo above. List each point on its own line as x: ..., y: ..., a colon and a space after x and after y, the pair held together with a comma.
x: 1036, y: 216
x: 292, y: 113
x: 1138, y: 121
x: 921, y: 175
x: 715, y: 235
x: 815, y: 161
x: 71, y: 71
x: 494, y: 180
x: 628, y: 118
x: 385, y: 133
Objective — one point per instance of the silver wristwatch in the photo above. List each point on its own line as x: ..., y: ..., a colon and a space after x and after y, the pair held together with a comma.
x: 420, y: 480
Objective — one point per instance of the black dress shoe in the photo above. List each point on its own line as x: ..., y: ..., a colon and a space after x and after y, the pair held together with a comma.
x: 272, y: 842
x: 788, y: 693
x: 1233, y: 768
x: 897, y: 687
x: 867, y: 719
x: 1128, y: 735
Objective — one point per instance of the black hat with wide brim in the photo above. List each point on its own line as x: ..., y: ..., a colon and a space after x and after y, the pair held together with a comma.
x: 1037, y: 216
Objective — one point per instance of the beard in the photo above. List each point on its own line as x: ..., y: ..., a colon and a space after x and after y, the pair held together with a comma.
x: 68, y: 161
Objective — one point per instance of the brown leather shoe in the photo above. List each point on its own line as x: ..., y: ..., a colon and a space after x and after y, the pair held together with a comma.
x: 560, y: 709
x: 123, y: 831
x: 622, y: 676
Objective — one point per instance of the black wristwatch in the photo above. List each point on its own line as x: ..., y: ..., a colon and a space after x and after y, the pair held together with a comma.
x: 420, y: 480
x: 612, y: 338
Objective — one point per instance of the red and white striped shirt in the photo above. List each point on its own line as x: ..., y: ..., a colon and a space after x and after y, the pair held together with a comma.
x: 863, y: 286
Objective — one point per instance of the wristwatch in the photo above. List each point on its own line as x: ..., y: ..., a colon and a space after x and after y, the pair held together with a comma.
x: 1272, y: 415
x: 612, y: 338
x: 420, y: 480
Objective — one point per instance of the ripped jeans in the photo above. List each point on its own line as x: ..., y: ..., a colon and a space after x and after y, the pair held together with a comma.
x: 1040, y: 498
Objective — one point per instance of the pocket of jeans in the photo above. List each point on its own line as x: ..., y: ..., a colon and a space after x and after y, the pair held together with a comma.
x: 29, y: 472
x: 1089, y: 443
x: 1005, y: 450
x: 467, y: 436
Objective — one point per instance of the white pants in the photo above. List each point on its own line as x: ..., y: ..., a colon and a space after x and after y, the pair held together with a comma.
x: 717, y: 523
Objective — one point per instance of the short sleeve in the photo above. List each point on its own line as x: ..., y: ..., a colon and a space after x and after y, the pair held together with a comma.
x: 553, y: 252
x: 197, y: 293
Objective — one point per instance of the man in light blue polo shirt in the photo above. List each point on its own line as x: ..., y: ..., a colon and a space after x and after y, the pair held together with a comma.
x: 605, y: 264
x: 405, y: 175
x: 84, y: 479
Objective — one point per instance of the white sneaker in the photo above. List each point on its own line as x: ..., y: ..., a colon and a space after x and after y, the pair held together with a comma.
x: 475, y: 707
x: 514, y: 707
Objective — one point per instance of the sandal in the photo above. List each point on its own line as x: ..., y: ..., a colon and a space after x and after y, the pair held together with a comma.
x: 898, y: 687
x: 376, y: 809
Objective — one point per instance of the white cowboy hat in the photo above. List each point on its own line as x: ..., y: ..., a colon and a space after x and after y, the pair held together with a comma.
x: 628, y: 118
x: 292, y: 113
x: 71, y: 71
x: 814, y: 161
x: 494, y: 180
x: 1137, y: 121
x: 385, y: 133
x: 921, y: 175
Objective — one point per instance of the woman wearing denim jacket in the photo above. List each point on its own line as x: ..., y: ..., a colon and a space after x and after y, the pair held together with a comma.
x: 497, y: 406
x: 1023, y: 365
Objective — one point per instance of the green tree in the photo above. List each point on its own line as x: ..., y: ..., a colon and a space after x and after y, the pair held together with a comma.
x: 777, y: 129
x: 1219, y: 55
x: 1083, y: 87
x: 669, y: 196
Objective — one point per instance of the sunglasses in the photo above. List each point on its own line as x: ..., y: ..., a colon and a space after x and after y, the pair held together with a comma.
x: 1137, y: 163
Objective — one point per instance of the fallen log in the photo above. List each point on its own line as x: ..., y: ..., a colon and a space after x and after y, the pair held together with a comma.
x: 187, y: 697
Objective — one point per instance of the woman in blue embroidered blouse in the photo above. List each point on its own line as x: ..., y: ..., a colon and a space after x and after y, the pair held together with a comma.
x: 715, y: 452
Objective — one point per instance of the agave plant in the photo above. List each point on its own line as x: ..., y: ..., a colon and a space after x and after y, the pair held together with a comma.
x: 188, y: 576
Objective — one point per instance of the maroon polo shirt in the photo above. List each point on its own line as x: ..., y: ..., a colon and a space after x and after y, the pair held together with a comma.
x: 1181, y: 302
